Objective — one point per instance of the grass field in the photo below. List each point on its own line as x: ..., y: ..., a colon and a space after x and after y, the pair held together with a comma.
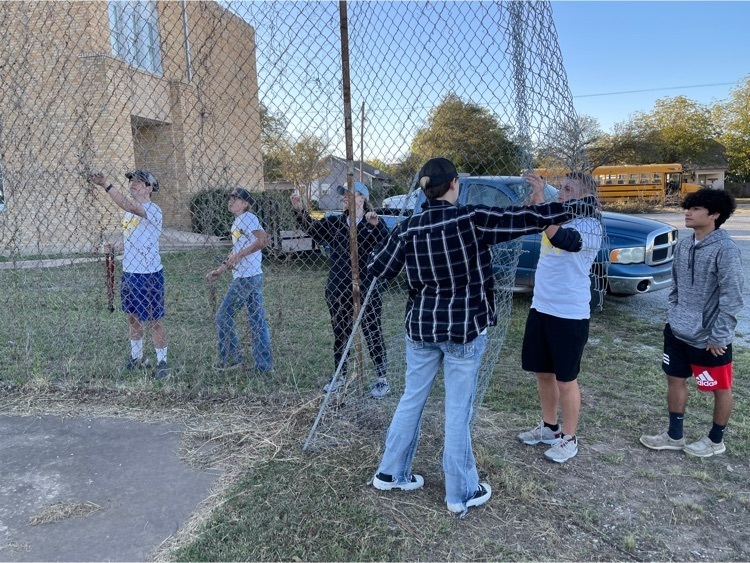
x: 614, y: 501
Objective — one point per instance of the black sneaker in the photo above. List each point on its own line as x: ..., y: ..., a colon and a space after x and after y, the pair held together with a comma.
x: 386, y: 482
x: 482, y: 495
x: 162, y: 370
x: 135, y: 363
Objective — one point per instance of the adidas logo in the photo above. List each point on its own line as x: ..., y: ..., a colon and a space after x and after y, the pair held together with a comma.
x: 665, y: 359
x: 705, y: 380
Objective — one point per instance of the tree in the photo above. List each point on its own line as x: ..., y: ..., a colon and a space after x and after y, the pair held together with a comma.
x: 302, y: 162
x: 676, y: 130
x: 469, y: 135
x: 567, y: 145
x: 733, y: 117
x: 272, y: 142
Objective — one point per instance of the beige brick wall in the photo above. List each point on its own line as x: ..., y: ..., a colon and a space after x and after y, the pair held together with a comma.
x: 67, y: 106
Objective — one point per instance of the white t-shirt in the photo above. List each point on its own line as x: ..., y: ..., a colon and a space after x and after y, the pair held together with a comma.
x: 562, y: 287
x: 141, y: 238
x: 242, y: 237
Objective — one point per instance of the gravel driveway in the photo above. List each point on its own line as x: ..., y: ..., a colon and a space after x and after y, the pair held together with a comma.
x: 654, y: 305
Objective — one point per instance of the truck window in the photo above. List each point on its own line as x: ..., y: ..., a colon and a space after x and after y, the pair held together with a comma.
x: 482, y: 194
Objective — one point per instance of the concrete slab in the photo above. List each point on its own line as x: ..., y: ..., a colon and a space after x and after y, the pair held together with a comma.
x: 129, y: 469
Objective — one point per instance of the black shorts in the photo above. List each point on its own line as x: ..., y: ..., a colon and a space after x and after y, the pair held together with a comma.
x: 554, y: 345
x: 682, y: 360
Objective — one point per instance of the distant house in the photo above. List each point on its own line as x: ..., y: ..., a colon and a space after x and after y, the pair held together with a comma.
x: 167, y: 86
x: 711, y: 169
x: 324, y: 189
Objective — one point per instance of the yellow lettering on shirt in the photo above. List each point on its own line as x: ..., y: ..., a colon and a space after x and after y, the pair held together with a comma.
x: 129, y: 225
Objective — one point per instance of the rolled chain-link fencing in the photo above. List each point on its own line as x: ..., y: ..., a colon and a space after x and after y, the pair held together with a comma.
x: 214, y: 96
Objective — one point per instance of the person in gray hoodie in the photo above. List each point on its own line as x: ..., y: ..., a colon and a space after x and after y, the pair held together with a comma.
x: 706, y: 295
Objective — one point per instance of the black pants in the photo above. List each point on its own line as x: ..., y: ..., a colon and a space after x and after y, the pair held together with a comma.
x: 341, y: 308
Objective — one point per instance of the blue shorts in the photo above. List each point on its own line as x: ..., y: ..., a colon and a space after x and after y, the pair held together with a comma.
x: 142, y: 295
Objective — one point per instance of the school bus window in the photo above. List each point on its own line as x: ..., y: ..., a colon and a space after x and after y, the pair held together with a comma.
x: 645, y: 178
x: 621, y: 178
x: 599, y: 179
x: 633, y: 179
x: 610, y: 178
x: 657, y: 177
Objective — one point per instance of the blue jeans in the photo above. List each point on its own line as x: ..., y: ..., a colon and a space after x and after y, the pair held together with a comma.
x: 460, y: 365
x: 246, y: 291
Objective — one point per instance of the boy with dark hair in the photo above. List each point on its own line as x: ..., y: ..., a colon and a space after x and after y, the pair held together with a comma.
x: 706, y: 295
x: 446, y: 251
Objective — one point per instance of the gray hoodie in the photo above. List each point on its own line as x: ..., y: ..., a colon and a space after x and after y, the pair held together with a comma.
x: 706, y: 294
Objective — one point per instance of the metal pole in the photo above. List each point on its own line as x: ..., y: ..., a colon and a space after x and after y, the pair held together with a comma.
x: 362, y: 145
x: 349, y: 137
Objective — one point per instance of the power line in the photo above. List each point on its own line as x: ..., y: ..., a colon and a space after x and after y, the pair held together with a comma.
x: 654, y: 89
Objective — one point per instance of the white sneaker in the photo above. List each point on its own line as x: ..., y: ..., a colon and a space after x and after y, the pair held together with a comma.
x: 388, y: 482
x: 482, y: 495
x: 562, y: 450
x: 539, y: 434
x: 662, y: 442
x: 338, y: 384
x: 705, y: 448
x: 380, y: 389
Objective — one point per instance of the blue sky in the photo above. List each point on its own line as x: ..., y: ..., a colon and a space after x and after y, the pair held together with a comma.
x: 625, y: 46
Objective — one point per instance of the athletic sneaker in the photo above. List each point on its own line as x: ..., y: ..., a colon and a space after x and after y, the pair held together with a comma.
x: 540, y: 434
x: 705, y: 448
x: 381, y: 389
x: 662, y: 442
x: 162, y: 370
x: 340, y: 382
x: 135, y: 363
x: 386, y: 482
x: 482, y: 495
x: 563, y: 449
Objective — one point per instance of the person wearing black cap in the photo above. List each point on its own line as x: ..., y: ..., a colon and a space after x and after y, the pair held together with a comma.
x: 142, y: 287
x: 248, y: 238
x: 334, y: 231
x: 446, y: 251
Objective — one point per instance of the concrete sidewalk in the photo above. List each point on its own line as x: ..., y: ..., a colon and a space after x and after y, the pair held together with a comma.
x: 128, y: 469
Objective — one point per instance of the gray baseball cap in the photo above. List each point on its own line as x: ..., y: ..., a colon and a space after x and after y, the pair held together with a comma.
x: 144, y: 176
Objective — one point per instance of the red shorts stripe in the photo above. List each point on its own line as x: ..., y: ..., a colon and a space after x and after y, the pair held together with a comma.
x: 712, y: 378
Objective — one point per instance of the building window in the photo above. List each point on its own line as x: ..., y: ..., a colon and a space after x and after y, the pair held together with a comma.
x: 135, y: 34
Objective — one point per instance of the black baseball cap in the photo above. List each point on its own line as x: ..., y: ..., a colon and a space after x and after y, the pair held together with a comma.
x: 438, y: 171
x: 144, y: 176
x: 242, y: 194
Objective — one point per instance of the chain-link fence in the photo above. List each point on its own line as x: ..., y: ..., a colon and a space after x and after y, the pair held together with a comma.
x: 214, y: 96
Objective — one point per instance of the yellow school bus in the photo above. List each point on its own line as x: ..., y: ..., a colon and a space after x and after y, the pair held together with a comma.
x: 643, y: 181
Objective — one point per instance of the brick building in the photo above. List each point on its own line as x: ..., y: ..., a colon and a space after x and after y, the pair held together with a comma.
x: 166, y: 85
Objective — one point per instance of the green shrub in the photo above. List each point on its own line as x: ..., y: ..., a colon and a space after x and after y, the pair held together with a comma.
x: 209, y: 214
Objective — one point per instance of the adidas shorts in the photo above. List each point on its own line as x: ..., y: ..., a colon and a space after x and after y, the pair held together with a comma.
x: 681, y: 360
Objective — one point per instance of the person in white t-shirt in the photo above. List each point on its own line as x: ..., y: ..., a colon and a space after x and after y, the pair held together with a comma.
x: 248, y: 238
x: 557, y: 327
x: 142, y: 286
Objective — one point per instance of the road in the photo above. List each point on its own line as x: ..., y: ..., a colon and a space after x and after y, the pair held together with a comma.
x: 654, y: 305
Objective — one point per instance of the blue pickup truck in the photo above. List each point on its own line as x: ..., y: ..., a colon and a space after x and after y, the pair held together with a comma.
x: 636, y: 254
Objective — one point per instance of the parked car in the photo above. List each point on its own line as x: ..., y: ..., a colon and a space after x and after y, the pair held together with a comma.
x: 636, y: 254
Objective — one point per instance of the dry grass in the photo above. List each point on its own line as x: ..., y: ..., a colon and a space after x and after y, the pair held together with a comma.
x: 64, y: 510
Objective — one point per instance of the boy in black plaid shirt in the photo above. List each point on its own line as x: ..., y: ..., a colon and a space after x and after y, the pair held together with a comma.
x: 446, y: 251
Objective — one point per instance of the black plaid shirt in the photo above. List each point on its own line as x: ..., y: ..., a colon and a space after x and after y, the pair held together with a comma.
x: 446, y: 251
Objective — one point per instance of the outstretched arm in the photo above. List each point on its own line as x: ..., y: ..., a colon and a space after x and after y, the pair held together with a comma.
x: 97, y: 178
